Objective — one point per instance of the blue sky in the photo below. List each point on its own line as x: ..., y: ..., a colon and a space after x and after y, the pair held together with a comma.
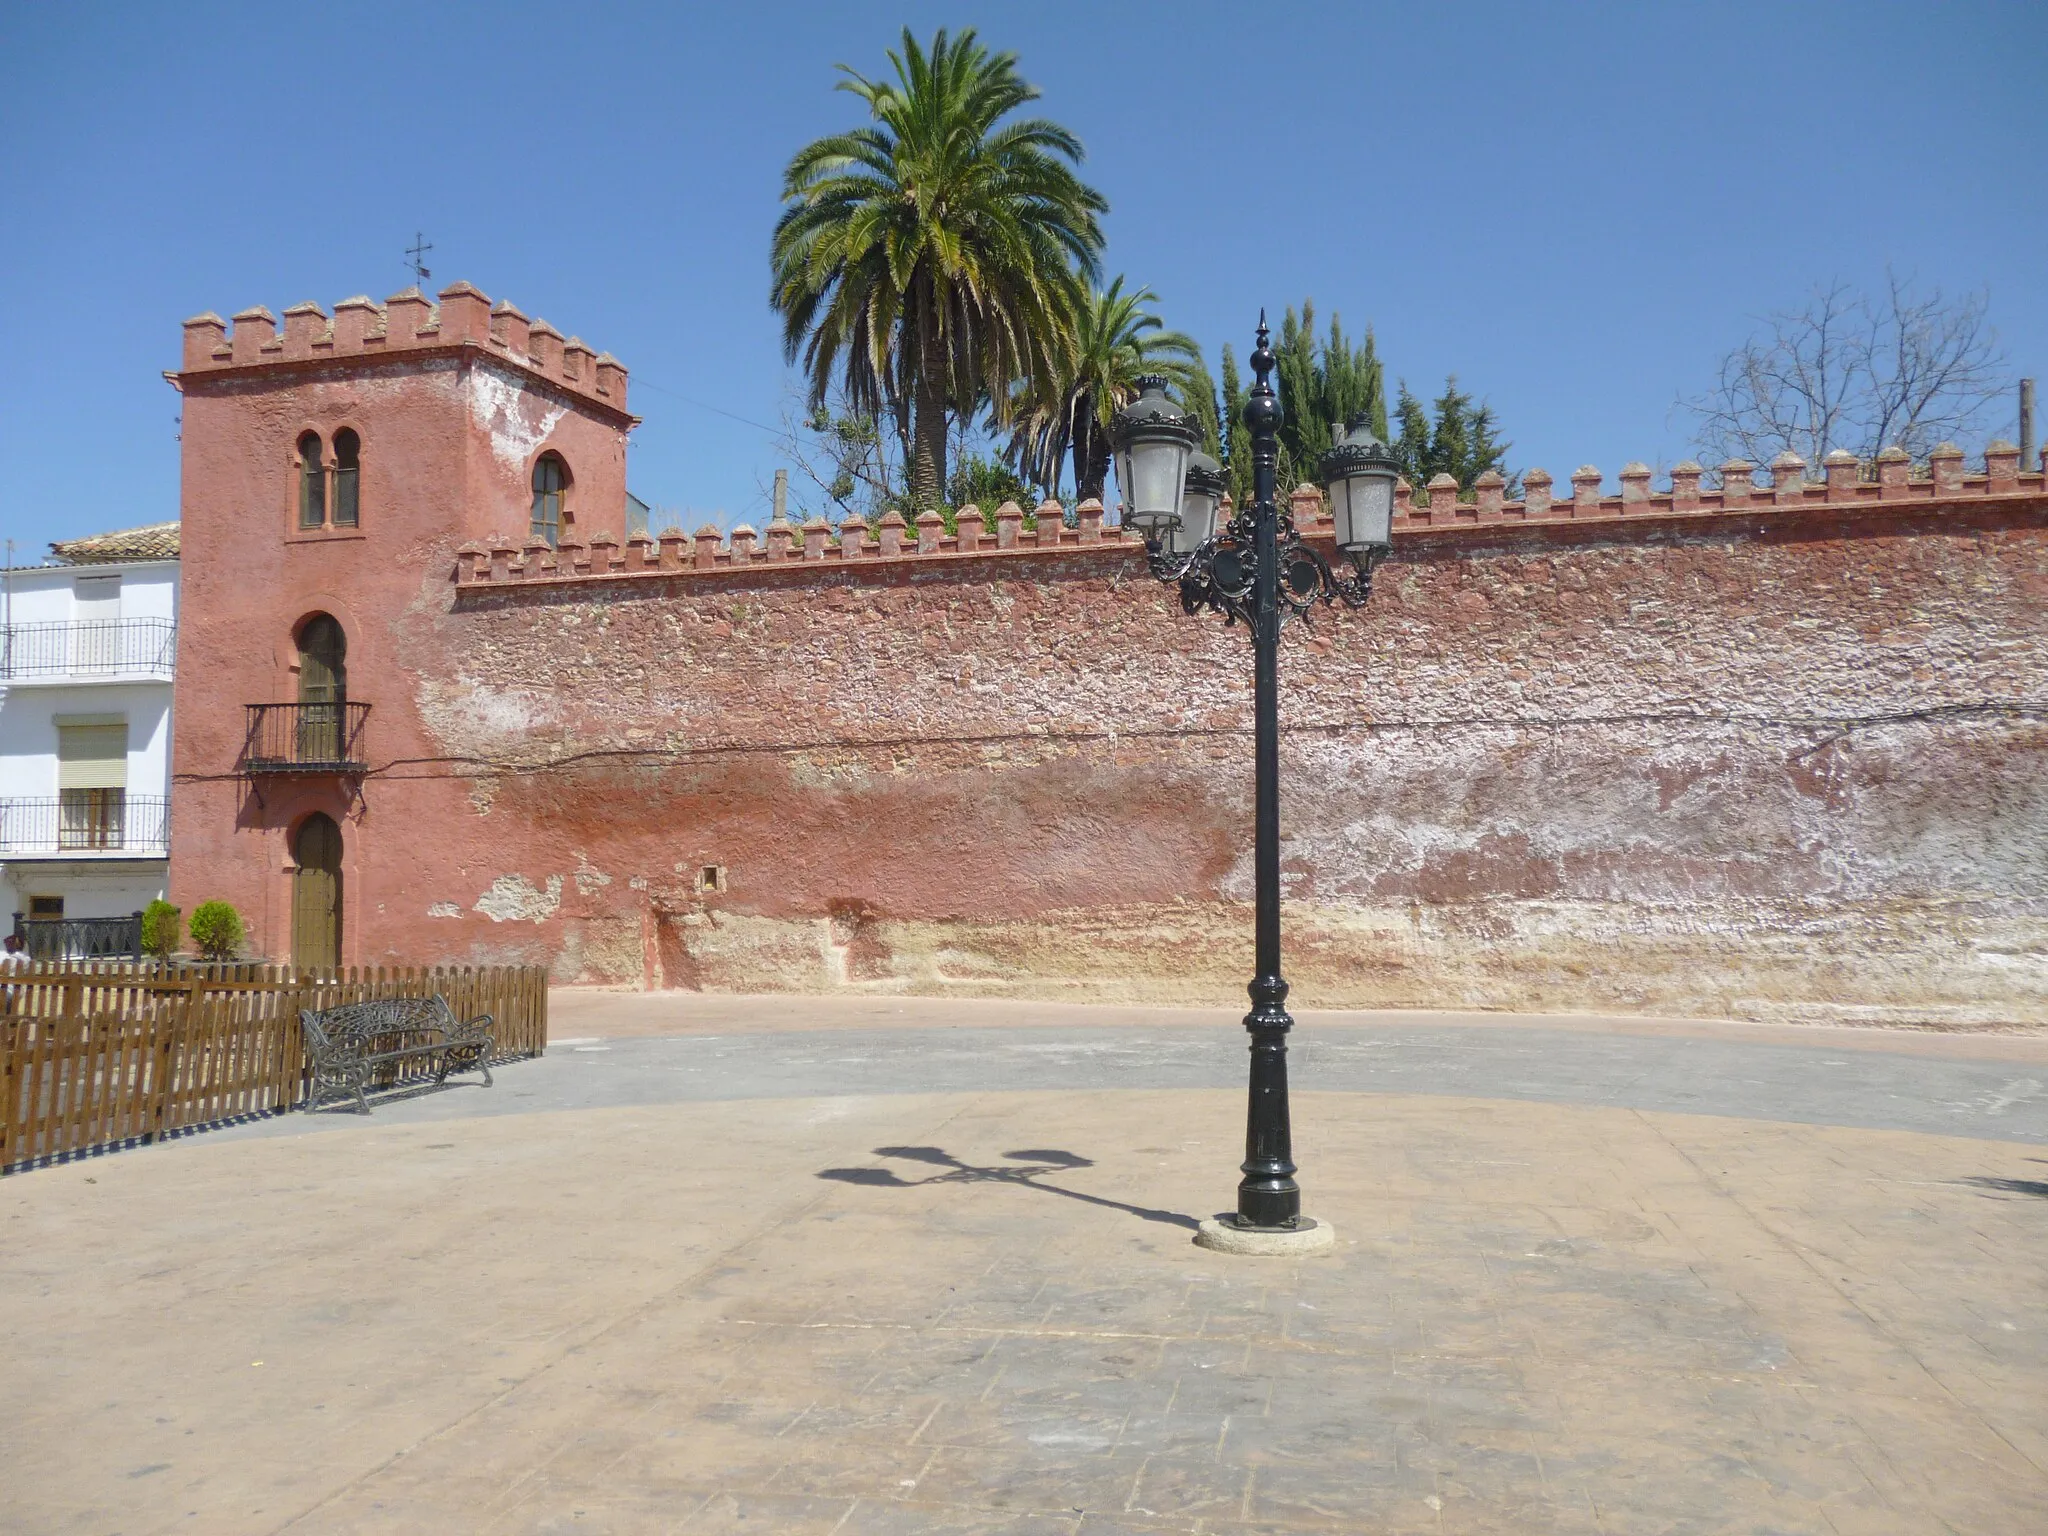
x: 1576, y: 208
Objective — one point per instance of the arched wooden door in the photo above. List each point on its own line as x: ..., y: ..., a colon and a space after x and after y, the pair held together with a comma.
x: 323, y: 689
x: 316, y: 893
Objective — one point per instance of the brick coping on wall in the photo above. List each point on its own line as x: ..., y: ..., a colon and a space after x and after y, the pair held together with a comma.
x: 407, y: 326
x: 894, y: 544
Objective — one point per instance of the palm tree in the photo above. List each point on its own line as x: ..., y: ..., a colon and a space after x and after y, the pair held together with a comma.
x: 936, y: 256
x: 1116, y: 341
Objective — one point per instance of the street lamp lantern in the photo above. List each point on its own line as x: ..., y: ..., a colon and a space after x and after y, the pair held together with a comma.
x: 1198, y: 504
x: 1359, y: 472
x: 1257, y: 570
x: 1153, y: 437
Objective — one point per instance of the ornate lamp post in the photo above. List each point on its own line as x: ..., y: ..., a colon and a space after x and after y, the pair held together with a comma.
x: 1255, y: 568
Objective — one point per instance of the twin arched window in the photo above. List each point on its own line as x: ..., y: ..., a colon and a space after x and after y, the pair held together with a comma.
x: 550, y: 486
x: 344, y: 496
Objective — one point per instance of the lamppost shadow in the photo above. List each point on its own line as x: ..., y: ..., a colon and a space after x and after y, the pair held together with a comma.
x: 1033, y: 1164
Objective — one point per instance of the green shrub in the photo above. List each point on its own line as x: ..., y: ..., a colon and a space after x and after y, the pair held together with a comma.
x: 217, y: 930
x: 161, y: 928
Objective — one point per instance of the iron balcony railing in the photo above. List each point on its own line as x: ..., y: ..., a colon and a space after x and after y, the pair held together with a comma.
x: 80, y: 938
x: 90, y: 648
x: 305, y: 738
x: 86, y: 821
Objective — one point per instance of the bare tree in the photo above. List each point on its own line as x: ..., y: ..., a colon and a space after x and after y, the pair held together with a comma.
x: 1851, y: 371
x: 846, y: 457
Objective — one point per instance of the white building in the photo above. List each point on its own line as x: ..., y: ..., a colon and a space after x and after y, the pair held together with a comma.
x: 87, y: 646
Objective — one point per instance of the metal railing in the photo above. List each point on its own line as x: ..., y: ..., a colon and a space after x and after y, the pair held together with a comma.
x: 90, y: 648
x: 80, y: 938
x: 305, y: 738
x: 86, y: 821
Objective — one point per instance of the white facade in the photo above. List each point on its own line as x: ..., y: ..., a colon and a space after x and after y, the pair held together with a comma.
x: 86, y: 655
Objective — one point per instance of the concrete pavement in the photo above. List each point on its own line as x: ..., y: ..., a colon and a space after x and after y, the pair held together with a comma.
x: 975, y: 1308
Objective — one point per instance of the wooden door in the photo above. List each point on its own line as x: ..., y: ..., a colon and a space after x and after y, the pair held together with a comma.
x: 316, y: 894
x: 323, y: 689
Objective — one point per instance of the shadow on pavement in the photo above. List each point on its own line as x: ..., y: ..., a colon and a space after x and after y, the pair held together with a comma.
x: 1033, y: 1164
x: 2038, y: 1188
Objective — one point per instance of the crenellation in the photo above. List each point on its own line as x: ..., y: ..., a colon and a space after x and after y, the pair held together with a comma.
x: 508, y: 327
x: 1685, y: 486
x: 1052, y: 522
x: 891, y: 537
x: 464, y: 317
x: 1585, y: 491
x: 1894, y: 469
x: 1945, y: 468
x: 304, y: 324
x: 465, y: 314
x: 255, y: 329
x: 406, y: 314
x: 205, y: 336
x: 1788, y: 478
x: 544, y: 348
x: 1489, y: 497
x: 2002, y: 467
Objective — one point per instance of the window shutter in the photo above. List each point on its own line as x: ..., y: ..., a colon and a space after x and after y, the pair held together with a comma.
x: 98, y: 597
x: 92, y: 757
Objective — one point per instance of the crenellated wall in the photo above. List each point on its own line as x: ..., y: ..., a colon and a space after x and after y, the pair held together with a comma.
x: 1755, y: 751
x: 406, y: 323
x: 1848, y: 488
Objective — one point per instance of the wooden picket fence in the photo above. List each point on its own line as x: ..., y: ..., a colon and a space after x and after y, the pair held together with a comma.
x: 100, y: 1054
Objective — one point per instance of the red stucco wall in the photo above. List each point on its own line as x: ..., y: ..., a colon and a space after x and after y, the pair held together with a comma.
x: 1769, y: 761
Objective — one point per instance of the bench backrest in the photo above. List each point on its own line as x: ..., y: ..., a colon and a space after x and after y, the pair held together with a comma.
x: 357, y: 1023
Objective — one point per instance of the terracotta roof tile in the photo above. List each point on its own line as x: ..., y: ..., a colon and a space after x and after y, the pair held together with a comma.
x: 153, y: 541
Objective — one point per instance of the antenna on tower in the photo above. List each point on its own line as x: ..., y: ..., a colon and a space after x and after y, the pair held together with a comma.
x: 419, y: 249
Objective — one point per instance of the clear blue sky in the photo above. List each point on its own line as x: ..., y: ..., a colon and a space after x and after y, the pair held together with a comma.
x: 1575, y: 207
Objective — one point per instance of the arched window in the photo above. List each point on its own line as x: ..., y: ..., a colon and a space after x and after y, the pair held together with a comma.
x: 348, y: 452
x: 550, y: 484
x: 312, y: 483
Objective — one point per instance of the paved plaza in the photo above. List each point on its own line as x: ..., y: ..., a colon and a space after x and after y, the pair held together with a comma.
x: 778, y: 1266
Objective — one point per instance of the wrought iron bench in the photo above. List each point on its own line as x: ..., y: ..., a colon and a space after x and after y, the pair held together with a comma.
x: 343, y: 1044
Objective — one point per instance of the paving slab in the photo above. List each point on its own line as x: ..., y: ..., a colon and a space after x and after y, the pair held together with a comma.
x: 979, y: 1311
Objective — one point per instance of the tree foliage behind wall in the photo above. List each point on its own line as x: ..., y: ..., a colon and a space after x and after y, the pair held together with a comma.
x: 1457, y: 436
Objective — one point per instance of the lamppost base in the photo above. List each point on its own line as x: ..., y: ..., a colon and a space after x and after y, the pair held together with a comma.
x: 1222, y: 1234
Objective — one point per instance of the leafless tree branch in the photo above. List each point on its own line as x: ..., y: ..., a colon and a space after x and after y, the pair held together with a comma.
x: 1850, y: 371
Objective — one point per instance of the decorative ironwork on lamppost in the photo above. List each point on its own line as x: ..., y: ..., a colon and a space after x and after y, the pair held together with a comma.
x: 1257, y: 569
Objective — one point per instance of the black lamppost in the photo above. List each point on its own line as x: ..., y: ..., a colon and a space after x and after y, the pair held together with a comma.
x: 1257, y: 569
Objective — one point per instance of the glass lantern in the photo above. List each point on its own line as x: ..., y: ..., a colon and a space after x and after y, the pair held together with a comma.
x: 1198, y: 504
x: 1359, y: 473
x: 1152, y: 438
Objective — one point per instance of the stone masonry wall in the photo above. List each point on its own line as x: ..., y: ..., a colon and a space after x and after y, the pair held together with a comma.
x: 1766, y: 764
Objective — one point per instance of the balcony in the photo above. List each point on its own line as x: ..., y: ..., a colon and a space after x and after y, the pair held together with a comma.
x: 88, y: 650
x: 49, y: 940
x: 305, y: 738
x: 86, y: 823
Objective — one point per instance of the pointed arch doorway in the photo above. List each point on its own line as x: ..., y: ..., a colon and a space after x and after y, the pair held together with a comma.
x: 316, y: 893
